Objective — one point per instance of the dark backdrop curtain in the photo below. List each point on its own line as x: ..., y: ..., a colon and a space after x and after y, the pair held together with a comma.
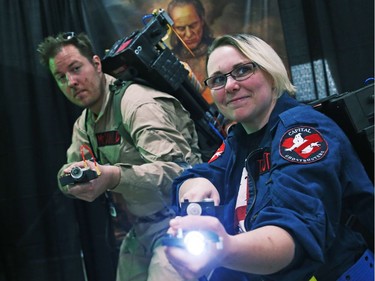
x: 330, y: 45
x: 40, y: 237
x: 43, y: 234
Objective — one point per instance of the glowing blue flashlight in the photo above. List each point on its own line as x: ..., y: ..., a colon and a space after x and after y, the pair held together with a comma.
x: 194, y: 241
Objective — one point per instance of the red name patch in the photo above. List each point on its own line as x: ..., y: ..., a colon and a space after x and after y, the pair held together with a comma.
x: 264, y: 164
x: 108, y: 138
x: 303, y: 145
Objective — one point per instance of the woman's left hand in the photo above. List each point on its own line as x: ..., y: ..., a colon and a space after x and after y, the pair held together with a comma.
x: 194, y: 266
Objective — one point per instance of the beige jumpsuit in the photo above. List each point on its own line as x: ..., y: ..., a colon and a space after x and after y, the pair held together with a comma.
x: 164, y: 142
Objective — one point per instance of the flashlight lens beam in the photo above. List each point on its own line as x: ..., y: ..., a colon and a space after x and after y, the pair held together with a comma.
x: 195, y: 242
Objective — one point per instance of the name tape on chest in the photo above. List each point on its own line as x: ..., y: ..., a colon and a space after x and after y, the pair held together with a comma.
x: 108, y: 138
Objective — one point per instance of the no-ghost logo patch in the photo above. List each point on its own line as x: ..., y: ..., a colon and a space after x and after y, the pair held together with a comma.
x: 303, y: 145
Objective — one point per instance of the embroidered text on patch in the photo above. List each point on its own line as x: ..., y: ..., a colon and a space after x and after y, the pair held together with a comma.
x: 303, y: 145
x: 264, y: 164
x: 108, y: 138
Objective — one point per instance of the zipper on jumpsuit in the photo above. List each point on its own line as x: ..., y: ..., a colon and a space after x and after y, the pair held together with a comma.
x: 251, y: 183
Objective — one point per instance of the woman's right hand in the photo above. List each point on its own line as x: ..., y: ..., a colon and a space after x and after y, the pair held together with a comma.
x: 198, y: 189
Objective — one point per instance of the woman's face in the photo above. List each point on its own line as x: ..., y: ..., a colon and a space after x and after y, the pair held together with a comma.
x: 249, y: 101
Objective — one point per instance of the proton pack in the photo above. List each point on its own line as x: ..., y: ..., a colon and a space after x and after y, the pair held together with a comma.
x: 143, y: 58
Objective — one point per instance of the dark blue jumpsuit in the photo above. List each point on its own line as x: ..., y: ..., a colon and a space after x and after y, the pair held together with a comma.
x: 304, y: 177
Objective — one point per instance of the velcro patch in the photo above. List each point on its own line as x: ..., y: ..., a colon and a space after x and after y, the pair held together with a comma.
x: 303, y: 145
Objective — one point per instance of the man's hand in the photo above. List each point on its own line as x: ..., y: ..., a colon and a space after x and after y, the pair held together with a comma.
x: 108, y: 179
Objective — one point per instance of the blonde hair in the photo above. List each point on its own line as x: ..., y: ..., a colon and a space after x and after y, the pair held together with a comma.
x: 262, y: 54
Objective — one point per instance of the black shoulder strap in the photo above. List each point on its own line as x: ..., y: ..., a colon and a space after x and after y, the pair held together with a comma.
x: 118, y: 89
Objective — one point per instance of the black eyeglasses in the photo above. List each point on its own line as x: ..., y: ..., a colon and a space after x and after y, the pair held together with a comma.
x: 238, y: 73
x: 67, y: 35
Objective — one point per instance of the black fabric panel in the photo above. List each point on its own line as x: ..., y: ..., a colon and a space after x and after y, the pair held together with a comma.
x: 340, y: 32
x: 43, y: 233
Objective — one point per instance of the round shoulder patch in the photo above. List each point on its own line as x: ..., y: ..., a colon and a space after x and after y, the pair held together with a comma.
x: 303, y: 145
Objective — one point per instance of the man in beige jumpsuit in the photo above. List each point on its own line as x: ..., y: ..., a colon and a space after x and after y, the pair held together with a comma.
x: 162, y: 142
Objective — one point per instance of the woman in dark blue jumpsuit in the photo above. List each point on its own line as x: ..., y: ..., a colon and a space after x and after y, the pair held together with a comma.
x: 286, y: 176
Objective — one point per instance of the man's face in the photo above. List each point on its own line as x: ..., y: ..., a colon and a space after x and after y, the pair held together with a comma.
x: 78, y: 78
x: 188, y: 25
